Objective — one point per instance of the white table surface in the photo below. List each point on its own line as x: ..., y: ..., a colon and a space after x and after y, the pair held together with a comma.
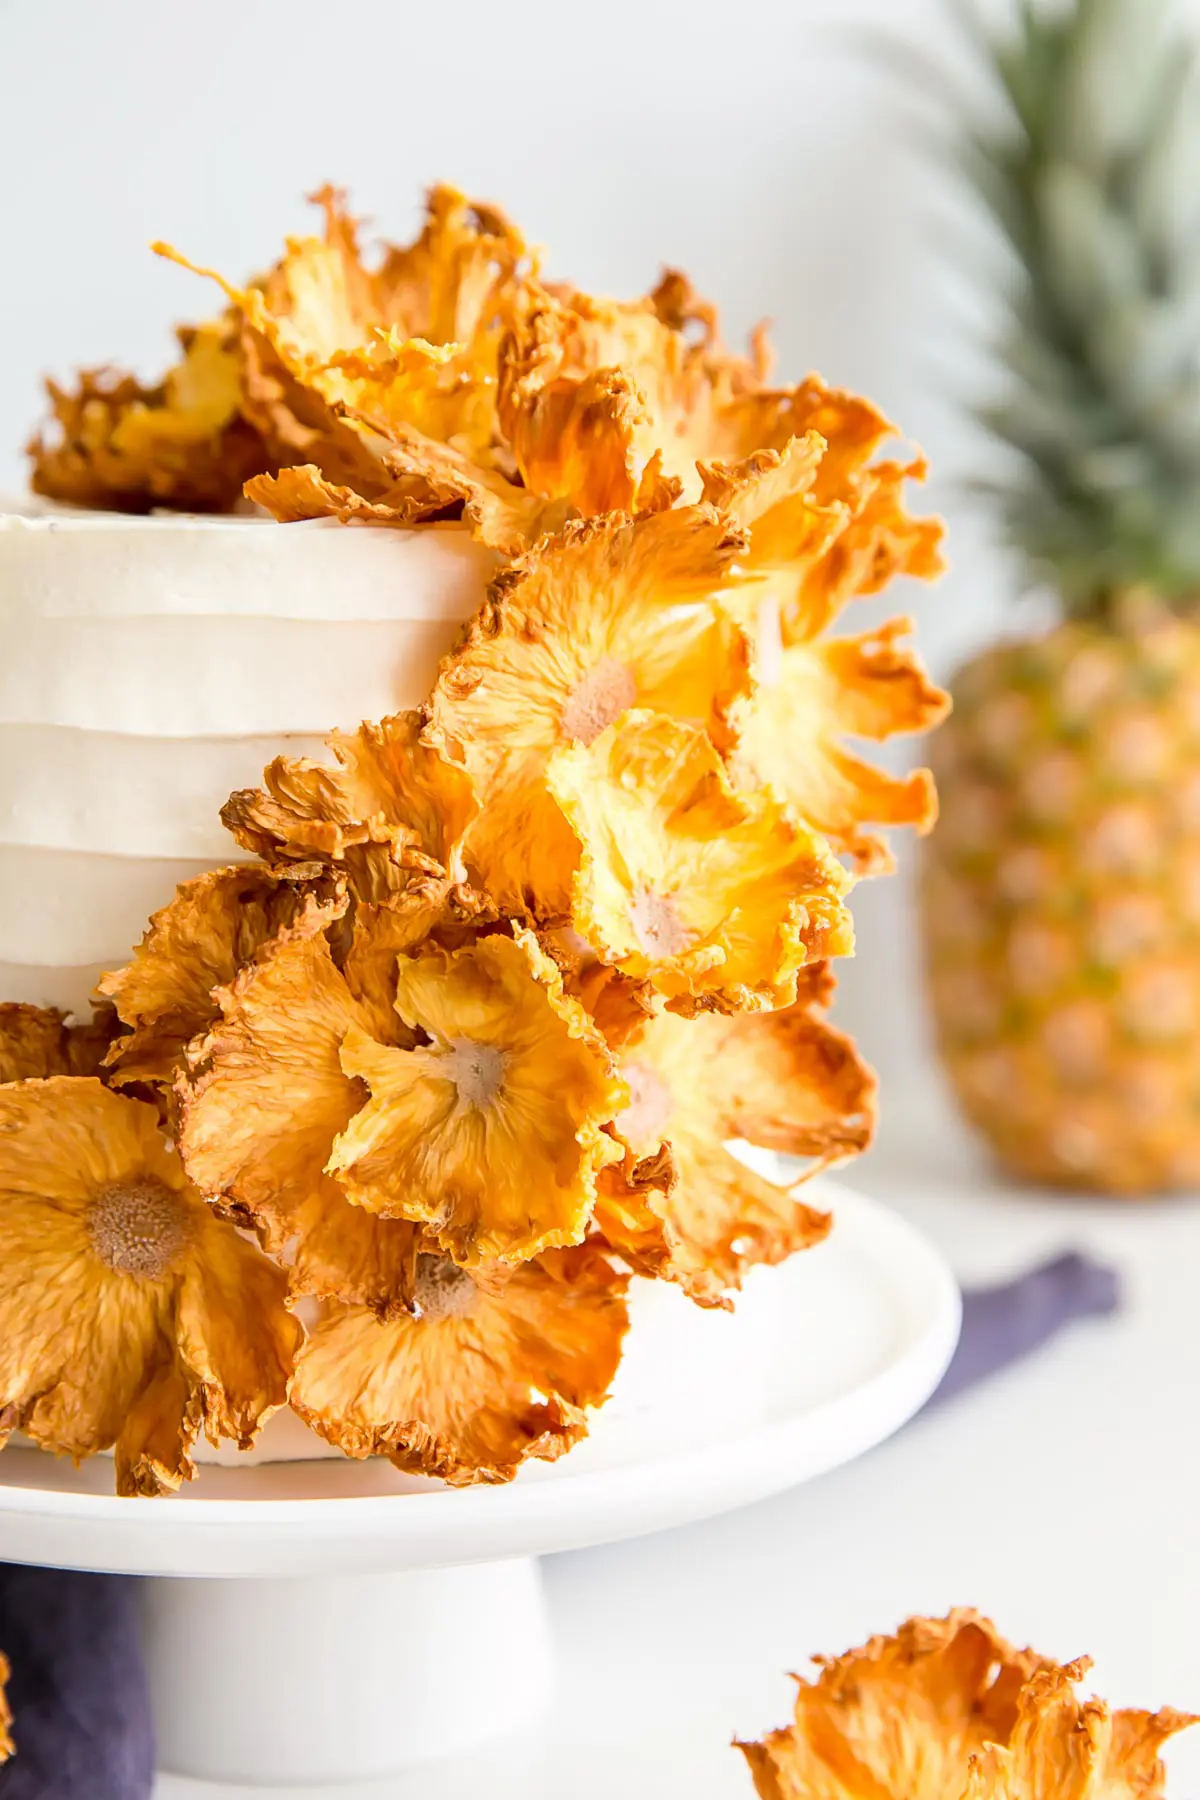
x: 1063, y: 1498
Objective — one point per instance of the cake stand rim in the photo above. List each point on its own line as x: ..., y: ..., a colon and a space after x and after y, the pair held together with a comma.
x: 442, y: 1527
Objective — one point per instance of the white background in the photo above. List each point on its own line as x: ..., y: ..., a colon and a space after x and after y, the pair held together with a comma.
x: 752, y: 144
x: 745, y: 143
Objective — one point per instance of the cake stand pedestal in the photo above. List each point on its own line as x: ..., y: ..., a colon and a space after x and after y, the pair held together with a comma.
x: 320, y: 1624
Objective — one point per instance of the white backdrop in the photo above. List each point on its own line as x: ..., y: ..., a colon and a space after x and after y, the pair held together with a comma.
x: 746, y: 142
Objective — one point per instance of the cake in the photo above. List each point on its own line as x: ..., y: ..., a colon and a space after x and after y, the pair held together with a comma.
x: 149, y: 667
x: 428, y: 823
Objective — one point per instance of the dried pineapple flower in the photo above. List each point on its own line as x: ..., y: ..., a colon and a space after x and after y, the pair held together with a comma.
x: 784, y: 1080
x: 612, y: 614
x: 36, y: 1042
x: 693, y: 402
x: 794, y: 738
x: 946, y: 1710
x: 351, y: 373
x: 490, y: 1131
x: 129, y: 448
x: 717, y: 898
x: 133, y: 1317
x: 481, y: 1380
x: 807, y: 558
x: 393, y: 810
x: 268, y: 1096
x: 211, y: 929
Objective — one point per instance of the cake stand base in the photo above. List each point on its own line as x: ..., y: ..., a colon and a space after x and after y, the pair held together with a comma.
x: 342, y: 1679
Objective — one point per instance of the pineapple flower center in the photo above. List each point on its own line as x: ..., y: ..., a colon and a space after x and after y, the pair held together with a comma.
x: 657, y: 926
x: 603, y: 695
x: 477, y: 1071
x: 441, y: 1290
x: 644, y: 1120
x: 138, y: 1227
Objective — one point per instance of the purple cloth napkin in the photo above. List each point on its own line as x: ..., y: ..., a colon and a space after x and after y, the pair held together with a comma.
x: 81, y: 1711
x: 1000, y: 1325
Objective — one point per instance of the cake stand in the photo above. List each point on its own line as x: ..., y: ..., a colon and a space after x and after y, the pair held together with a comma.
x: 326, y: 1623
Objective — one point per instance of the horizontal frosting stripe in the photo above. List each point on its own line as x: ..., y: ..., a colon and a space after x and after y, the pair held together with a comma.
x: 66, y: 789
x: 181, y: 677
x: 62, y: 908
x: 68, y: 989
x: 80, y: 565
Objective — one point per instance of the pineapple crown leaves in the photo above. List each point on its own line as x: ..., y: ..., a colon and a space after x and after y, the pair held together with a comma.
x: 1093, y: 178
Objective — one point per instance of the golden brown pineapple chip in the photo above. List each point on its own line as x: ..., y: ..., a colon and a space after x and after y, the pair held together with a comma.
x: 393, y: 809
x: 807, y: 558
x: 489, y: 1132
x: 785, y: 1080
x: 613, y: 614
x: 133, y: 1318
x: 947, y: 1710
x: 37, y: 1042
x: 352, y: 377
x: 718, y: 898
x: 795, y: 730
x: 269, y: 1097
x: 196, y: 944
x: 484, y: 1378
x: 185, y: 443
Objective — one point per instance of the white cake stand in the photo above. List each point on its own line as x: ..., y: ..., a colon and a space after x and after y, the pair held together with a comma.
x: 338, y: 1623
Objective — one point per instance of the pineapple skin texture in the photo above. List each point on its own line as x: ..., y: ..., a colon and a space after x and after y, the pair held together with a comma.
x: 1060, y: 906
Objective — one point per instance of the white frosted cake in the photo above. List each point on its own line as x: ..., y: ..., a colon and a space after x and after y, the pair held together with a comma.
x: 148, y: 667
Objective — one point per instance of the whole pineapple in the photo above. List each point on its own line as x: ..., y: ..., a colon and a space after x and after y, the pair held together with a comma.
x: 1061, y: 892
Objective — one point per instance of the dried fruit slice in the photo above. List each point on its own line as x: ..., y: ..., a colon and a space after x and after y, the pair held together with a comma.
x: 947, y: 1708
x: 184, y: 443
x: 717, y: 897
x: 349, y: 371
x: 164, y: 1323
x: 786, y: 1080
x: 794, y: 738
x: 610, y: 615
x: 37, y: 1042
x: 481, y: 1380
x: 808, y: 556
x: 260, y: 1117
x: 393, y: 810
x: 489, y: 1132
x: 198, y: 942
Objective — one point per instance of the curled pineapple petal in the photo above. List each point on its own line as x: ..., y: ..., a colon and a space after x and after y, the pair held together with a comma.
x: 490, y: 1132
x: 612, y: 614
x: 350, y: 373
x: 164, y: 1323
x: 716, y: 897
x: 483, y: 1379
x: 794, y: 731
x: 576, y: 438
x: 879, y: 541
x: 1075, y: 1749
x: 37, y: 1042
x: 264, y: 1105
x: 193, y: 945
x: 114, y: 443
x: 947, y: 1707
x: 391, y: 807
x: 785, y: 1080
x: 772, y: 496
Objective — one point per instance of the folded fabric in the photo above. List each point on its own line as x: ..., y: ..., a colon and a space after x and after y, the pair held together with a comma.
x: 1000, y: 1325
x: 81, y: 1709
